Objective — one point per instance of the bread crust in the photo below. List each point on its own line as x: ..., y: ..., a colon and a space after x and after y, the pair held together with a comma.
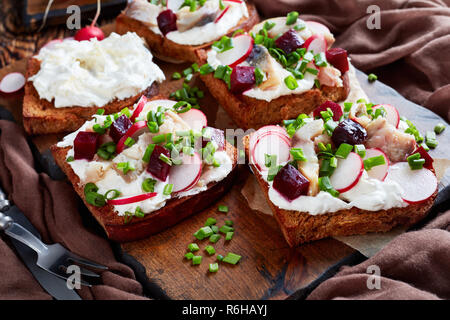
x: 163, y: 48
x: 173, y: 212
x: 249, y: 112
x: 41, y: 117
x: 300, y: 227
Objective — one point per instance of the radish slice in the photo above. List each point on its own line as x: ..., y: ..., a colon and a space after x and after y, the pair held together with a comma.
x: 316, y: 43
x: 12, y: 82
x: 222, y: 14
x: 266, y: 129
x: 141, y: 197
x: 317, y: 28
x: 134, y: 132
x: 347, y: 173
x: 140, y: 106
x: 242, y: 47
x: 195, y: 119
x: 174, y: 5
x: 418, y: 185
x: 185, y: 176
x: 273, y: 144
x: 377, y: 172
x: 392, y: 115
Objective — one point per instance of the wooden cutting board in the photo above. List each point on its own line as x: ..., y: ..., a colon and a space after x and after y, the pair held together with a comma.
x: 269, y: 269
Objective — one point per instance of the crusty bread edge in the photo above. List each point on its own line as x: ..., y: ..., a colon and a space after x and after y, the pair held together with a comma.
x: 173, y: 212
x: 300, y: 227
x: 163, y: 48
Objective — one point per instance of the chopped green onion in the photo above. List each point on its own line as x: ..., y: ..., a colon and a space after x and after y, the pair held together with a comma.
x: 291, y: 17
x: 224, y: 44
x: 205, y: 232
x: 139, y: 213
x: 159, y: 138
x: 273, y: 171
x: 415, y: 161
x: 222, y: 208
x: 188, y: 77
x: 224, y: 229
x: 313, y: 71
x: 98, y: 128
x: 116, y: 194
x: 229, y: 236
x: 430, y: 139
x: 205, y: 69
x: 193, y: 247
x: 325, y: 185
x: 291, y: 82
x: 320, y: 59
x: 70, y: 159
x: 317, y: 83
x: 189, y: 255
x: 196, y: 260
x: 148, y: 152
x: 259, y: 76
x: 100, y: 112
x: 210, y: 221
x: 333, y: 162
x: 125, y: 167
x: 439, y: 128
x: 329, y: 126
x: 165, y: 159
x: 344, y: 150
x: 129, y: 142
x: 372, y: 77
x: 214, y: 238
x: 369, y: 163
x: 210, y: 250
x: 360, y: 149
x: 297, y: 154
x: 219, y: 257
x: 148, y: 185
x: 182, y: 107
x: 232, y: 258
x: 424, y: 146
x: 229, y: 223
x: 91, y: 195
x: 213, y: 267
x: 176, y: 76
x: 215, y: 229
x: 347, y: 106
x: 238, y: 31
x: 168, y: 189
x: 221, y: 5
x: 195, y: 67
x: 270, y: 159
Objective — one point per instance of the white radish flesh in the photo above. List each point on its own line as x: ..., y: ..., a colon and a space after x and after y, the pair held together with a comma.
x: 417, y: 185
x: 271, y: 144
x: 377, y: 172
x: 264, y: 130
x: 242, y: 47
x: 317, y: 28
x: 12, y: 82
x: 316, y: 43
x: 134, y: 132
x: 347, y: 173
x: 185, y: 176
x: 195, y: 119
x: 392, y: 115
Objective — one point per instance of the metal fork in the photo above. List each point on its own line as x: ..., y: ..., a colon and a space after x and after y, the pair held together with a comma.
x: 53, y: 258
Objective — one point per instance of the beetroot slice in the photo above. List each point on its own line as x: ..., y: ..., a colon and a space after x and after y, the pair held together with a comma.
x: 289, y: 41
x: 120, y: 127
x: 350, y: 132
x: 215, y: 135
x: 158, y: 168
x: 242, y: 78
x: 85, y: 145
x: 290, y: 182
x: 337, y: 57
x: 336, y: 108
x: 167, y: 21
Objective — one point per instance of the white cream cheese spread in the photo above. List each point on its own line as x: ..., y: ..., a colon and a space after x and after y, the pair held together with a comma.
x: 94, y: 73
x: 106, y: 177
x: 195, y: 35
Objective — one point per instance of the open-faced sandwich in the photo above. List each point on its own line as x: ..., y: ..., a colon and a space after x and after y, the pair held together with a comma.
x: 145, y: 168
x: 69, y: 80
x: 283, y: 67
x: 175, y: 29
x: 343, y: 171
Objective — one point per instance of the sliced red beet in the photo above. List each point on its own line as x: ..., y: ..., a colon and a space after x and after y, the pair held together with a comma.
x: 289, y: 41
x: 242, y: 78
x: 120, y: 127
x: 215, y: 135
x: 167, y: 21
x: 158, y: 168
x: 337, y: 57
x: 334, y: 107
x: 424, y: 154
x: 349, y: 131
x: 290, y: 182
x: 85, y: 145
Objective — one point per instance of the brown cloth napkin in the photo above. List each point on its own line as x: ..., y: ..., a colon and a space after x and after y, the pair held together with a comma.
x: 410, y: 52
x: 51, y: 206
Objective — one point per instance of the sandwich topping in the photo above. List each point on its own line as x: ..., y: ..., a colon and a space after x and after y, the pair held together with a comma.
x: 189, y: 22
x: 280, y: 56
x: 117, y: 67
x: 138, y: 159
x: 361, y: 155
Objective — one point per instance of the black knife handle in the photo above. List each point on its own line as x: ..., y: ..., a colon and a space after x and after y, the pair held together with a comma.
x: 4, y: 203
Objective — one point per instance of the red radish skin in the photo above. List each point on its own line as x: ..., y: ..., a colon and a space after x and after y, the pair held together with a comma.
x: 222, y: 14
x: 417, y: 185
x: 266, y: 129
x: 12, y: 82
x: 139, y: 198
x: 348, y: 173
x: 377, y: 172
x: 140, y: 106
x: 316, y: 43
x: 185, y: 176
x: 135, y: 130
x: 335, y: 108
x: 270, y: 144
x: 88, y: 33
x: 242, y: 47
x: 195, y: 119
x: 392, y: 115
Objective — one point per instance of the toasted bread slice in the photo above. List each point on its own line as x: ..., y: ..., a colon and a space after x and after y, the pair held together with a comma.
x: 300, y: 227
x: 253, y: 113
x: 174, y: 211
x: 167, y: 50
x: 41, y: 117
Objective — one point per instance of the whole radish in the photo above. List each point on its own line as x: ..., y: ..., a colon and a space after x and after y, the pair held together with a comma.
x: 91, y: 31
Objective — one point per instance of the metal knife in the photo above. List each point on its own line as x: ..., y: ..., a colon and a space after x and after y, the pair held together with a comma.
x: 55, y: 286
